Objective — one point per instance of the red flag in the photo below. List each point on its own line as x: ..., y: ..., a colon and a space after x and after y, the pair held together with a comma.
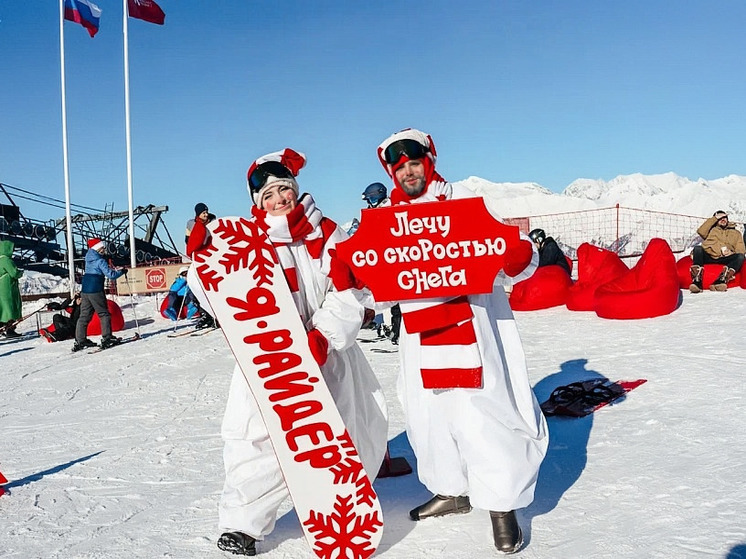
x: 146, y: 10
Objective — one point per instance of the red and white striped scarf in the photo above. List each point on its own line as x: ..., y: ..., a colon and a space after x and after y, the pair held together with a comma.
x: 304, y: 224
x: 449, y: 353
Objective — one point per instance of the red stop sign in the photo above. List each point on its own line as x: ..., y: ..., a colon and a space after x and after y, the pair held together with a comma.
x: 155, y: 278
x: 432, y: 249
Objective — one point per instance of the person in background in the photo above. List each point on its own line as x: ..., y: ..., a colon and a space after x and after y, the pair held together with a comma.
x: 197, y: 237
x: 550, y: 254
x: 376, y: 196
x: 179, y: 296
x: 723, y: 245
x: 93, y: 298
x: 202, y: 217
x: 329, y: 303
x: 63, y: 326
x: 10, y: 294
x: 471, y: 415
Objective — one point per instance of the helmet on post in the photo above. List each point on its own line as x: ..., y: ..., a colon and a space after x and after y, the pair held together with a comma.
x: 537, y: 235
x: 374, y: 194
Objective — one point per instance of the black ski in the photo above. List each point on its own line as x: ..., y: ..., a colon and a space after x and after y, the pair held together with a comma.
x: 124, y: 341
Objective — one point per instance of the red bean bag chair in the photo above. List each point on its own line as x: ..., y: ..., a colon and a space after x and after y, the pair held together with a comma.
x: 711, y: 273
x: 546, y: 288
x: 596, y: 266
x: 649, y: 289
x: 164, y: 306
x: 117, y: 320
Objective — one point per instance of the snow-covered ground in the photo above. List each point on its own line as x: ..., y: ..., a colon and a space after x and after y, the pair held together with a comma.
x: 118, y: 454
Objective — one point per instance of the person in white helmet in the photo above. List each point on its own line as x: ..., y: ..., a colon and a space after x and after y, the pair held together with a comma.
x: 330, y: 304
x: 471, y: 415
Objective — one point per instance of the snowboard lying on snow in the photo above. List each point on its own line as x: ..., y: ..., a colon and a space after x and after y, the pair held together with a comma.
x: 579, y: 399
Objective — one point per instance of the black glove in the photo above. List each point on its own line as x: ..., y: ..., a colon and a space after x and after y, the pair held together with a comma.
x: 54, y: 307
x: 124, y: 270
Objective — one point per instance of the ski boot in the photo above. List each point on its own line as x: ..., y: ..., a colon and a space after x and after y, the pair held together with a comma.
x: 441, y: 505
x: 110, y: 341
x: 237, y: 543
x: 506, y: 531
x: 205, y: 322
x: 721, y: 284
x: 171, y: 313
x: 696, y: 272
x: 85, y: 344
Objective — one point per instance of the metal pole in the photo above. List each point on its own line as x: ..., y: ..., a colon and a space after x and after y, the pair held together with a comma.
x: 66, y: 169
x: 133, y: 256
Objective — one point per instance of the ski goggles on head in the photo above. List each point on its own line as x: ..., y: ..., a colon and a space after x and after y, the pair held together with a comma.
x: 411, y: 148
x: 259, y: 176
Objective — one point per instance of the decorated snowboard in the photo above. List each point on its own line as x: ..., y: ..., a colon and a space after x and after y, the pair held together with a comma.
x: 246, y: 289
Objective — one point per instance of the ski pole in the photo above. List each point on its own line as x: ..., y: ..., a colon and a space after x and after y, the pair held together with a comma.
x: 132, y: 304
x: 178, y: 314
x: 14, y: 323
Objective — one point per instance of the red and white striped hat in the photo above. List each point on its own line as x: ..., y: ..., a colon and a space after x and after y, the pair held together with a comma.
x: 292, y: 160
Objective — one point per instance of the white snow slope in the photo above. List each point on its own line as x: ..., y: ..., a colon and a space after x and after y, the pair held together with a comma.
x: 117, y: 454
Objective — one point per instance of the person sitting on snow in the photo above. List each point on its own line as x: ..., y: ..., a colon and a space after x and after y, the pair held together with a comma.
x: 63, y: 326
x: 550, y: 254
x: 723, y: 245
x: 179, y: 296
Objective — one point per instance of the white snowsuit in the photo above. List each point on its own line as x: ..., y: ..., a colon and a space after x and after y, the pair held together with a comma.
x: 254, y: 486
x: 487, y: 443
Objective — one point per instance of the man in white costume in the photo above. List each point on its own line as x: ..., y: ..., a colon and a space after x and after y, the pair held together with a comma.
x: 329, y: 304
x: 472, y: 417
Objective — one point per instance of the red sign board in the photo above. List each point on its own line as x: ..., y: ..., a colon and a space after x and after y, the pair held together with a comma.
x: 155, y: 278
x: 432, y: 249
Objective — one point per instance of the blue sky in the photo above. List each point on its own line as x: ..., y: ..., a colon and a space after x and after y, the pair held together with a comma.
x: 510, y: 91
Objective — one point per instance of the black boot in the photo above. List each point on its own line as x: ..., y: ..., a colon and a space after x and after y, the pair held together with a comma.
x: 86, y: 343
x: 441, y: 505
x: 506, y: 531
x: 110, y: 341
x: 721, y: 284
x: 237, y: 543
x: 696, y: 272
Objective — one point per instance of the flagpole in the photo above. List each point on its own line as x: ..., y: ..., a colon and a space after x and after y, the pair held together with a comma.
x: 133, y: 256
x: 65, y: 166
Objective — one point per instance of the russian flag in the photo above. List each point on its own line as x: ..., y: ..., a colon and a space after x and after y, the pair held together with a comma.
x: 85, y: 13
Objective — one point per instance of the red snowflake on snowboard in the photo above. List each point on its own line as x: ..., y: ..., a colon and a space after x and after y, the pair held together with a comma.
x: 343, y: 534
x: 351, y: 470
x: 247, y: 247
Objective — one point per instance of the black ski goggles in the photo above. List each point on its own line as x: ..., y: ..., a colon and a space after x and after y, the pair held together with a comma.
x: 411, y: 148
x: 258, y: 178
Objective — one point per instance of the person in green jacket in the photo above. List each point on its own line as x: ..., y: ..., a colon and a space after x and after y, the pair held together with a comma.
x: 10, y: 294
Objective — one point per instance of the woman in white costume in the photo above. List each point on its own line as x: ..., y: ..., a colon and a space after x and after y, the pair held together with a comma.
x: 330, y: 306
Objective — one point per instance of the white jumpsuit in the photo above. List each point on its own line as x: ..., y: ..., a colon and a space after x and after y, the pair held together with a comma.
x: 254, y: 487
x: 487, y: 443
